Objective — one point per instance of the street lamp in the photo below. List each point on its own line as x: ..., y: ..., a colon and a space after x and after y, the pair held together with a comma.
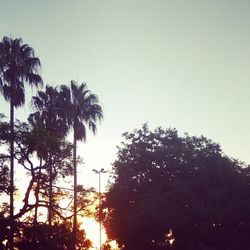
x: 99, y: 172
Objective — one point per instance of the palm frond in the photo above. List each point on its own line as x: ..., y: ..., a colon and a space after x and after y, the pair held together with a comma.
x: 49, y: 111
x: 92, y: 127
x: 17, y: 66
x: 34, y: 79
x: 1, y: 85
x: 82, y: 88
x: 31, y: 63
x: 80, y: 131
x: 7, y: 42
x: 15, y: 95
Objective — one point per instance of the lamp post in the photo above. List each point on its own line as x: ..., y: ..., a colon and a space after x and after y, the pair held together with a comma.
x: 99, y: 172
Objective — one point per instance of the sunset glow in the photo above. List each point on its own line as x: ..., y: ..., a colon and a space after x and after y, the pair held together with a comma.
x: 92, y: 229
x: 124, y: 125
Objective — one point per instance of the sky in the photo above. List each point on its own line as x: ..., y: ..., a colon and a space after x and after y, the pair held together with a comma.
x: 180, y: 64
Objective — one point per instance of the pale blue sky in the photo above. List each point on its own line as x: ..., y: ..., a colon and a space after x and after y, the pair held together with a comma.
x: 182, y: 64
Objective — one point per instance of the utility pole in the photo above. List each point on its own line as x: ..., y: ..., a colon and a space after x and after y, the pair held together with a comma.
x: 99, y: 172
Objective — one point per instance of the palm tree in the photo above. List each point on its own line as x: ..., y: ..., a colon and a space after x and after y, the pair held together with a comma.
x: 83, y: 110
x: 49, y: 113
x: 49, y: 116
x: 18, y: 65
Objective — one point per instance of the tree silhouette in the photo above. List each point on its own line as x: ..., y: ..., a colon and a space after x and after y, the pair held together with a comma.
x: 82, y: 109
x: 29, y: 141
x: 4, y: 169
x: 49, y: 112
x: 49, y: 115
x: 38, y: 237
x: 17, y: 66
x: 56, y: 112
x: 172, y: 192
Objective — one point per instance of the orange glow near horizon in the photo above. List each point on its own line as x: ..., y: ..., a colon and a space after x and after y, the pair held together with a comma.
x: 92, y: 229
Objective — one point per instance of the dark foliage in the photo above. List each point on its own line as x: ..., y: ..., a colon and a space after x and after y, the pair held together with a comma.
x: 57, y: 237
x: 4, y: 177
x: 49, y: 112
x: 18, y: 65
x: 31, y: 141
x: 180, y: 190
x: 42, y: 150
x: 4, y: 156
x: 82, y: 108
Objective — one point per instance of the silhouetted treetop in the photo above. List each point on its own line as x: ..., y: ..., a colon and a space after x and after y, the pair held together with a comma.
x: 164, y: 183
x: 18, y: 65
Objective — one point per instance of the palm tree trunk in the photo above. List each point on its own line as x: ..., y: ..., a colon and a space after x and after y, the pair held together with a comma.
x: 37, y: 192
x: 50, y: 192
x: 36, y: 207
x: 75, y: 191
x: 11, y: 239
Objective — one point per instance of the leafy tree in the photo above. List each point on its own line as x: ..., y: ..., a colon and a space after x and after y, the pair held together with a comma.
x: 4, y: 177
x: 31, y: 141
x: 28, y: 142
x: 17, y: 66
x: 173, y: 192
x: 56, y: 152
x: 82, y: 109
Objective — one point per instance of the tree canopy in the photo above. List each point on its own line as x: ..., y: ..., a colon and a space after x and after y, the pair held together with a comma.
x: 177, y: 192
x: 18, y: 65
x: 41, y: 151
x: 36, y: 150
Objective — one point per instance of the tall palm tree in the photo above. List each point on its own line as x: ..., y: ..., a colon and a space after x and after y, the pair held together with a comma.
x: 83, y: 110
x: 18, y: 65
x: 49, y: 115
